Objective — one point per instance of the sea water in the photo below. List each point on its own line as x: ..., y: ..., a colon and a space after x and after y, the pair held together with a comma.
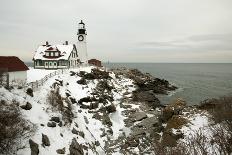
x: 195, y: 82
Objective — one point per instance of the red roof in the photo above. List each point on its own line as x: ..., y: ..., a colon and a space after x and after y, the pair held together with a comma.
x: 12, y: 63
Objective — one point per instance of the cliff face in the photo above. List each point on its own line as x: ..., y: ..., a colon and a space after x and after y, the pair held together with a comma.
x: 89, y: 110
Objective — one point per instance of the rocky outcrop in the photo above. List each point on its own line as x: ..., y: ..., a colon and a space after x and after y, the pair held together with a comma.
x: 34, y: 147
x: 148, y: 97
x: 174, y: 108
x: 29, y: 92
x: 138, y: 116
x: 45, y: 140
x: 75, y: 148
x: 60, y: 151
x: 27, y: 106
x: 55, y: 119
x: 111, y: 108
x: 82, y: 81
x: 51, y: 124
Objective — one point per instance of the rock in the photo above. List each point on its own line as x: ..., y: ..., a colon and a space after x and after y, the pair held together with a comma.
x: 55, y: 119
x: 51, y: 124
x: 111, y: 108
x: 82, y: 81
x: 86, y: 120
x: 138, y: 116
x: 45, y: 140
x: 28, y: 106
x: 106, y: 121
x: 29, y: 92
x: 72, y: 73
x: 74, y: 131
x: 85, y: 99
x: 174, y: 108
x: 34, y: 147
x: 148, y: 97
x: 73, y: 100
x: 150, y: 123
x: 75, y: 148
x: 60, y: 124
x: 97, y: 143
x: 82, y: 134
x: 60, y: 151
x: 93, y: 105
x: 132, y: 142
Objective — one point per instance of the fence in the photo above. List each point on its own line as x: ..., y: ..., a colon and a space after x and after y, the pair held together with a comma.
x: 35, y: 85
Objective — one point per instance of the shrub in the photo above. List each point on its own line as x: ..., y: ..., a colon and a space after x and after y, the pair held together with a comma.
x: 57, y: 102
x: 13, y: 128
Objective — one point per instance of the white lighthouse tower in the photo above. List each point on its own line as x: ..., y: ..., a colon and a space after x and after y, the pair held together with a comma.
x: 81, y: 44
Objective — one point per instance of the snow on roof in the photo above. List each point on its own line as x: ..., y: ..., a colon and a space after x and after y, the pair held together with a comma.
x: 65, y: 51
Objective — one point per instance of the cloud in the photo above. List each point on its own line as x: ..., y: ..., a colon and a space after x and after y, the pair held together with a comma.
x: 122, y: 30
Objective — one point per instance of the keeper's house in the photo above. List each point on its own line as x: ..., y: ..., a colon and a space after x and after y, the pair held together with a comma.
x: 56, y: 56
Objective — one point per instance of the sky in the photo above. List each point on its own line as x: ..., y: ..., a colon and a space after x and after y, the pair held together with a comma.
x: 167, y: 31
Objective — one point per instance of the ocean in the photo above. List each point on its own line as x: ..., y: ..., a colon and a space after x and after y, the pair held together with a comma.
x: 195, y: 82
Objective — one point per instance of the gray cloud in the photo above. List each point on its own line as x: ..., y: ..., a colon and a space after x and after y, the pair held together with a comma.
x: 122, y: 30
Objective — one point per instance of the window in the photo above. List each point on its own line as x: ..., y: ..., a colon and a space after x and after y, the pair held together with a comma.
x: 46, y: 54
x: 56, y: 53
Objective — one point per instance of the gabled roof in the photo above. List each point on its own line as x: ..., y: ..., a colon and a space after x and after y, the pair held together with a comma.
x: 12, y: 63
x: 65, y: 51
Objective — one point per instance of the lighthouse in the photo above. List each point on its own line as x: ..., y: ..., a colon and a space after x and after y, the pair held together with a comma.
x: 81, y: 44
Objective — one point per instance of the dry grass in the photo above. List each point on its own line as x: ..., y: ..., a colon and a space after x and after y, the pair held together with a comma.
x: 176, y: 122
x: 13, y: 128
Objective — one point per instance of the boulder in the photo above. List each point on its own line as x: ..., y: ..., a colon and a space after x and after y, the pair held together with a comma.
x: 148, y: 97
x: 174, y: 108
x: 60, y: 151
x: 150, y: 123
x: 29, y: 92
x: 55, y: 119
x: 45, y: 140
x: 51, y: 124
x: 111, y: 108
x: 27, y: 106
x: 34, y: 147
x: 75, y: 148
x: 84, y: 99
x: 138, y: 116
x: 74, y: 131
x: 73, y: 100
x: 82, y: 134
x: 82, y: 81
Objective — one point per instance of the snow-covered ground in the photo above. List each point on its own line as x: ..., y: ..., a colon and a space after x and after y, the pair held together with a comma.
x: 37, y: 74
x: 83, y: 121
x: 41, y: 112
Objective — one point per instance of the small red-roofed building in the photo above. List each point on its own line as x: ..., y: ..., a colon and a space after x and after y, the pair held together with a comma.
x: 16, y: 69
x: 95, y: 62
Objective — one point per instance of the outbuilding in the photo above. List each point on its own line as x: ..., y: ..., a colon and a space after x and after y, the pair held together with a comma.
x: 95, y: 62
x: 17, y: 70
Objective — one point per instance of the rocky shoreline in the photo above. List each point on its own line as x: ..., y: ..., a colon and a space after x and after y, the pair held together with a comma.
x: 97, y: 111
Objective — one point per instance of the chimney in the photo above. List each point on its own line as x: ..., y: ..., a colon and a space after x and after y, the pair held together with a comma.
x: 47, y: 43
x: 66, y: 42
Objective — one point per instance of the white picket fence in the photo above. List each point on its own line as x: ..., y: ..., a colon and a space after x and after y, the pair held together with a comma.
x: 35, y: 85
